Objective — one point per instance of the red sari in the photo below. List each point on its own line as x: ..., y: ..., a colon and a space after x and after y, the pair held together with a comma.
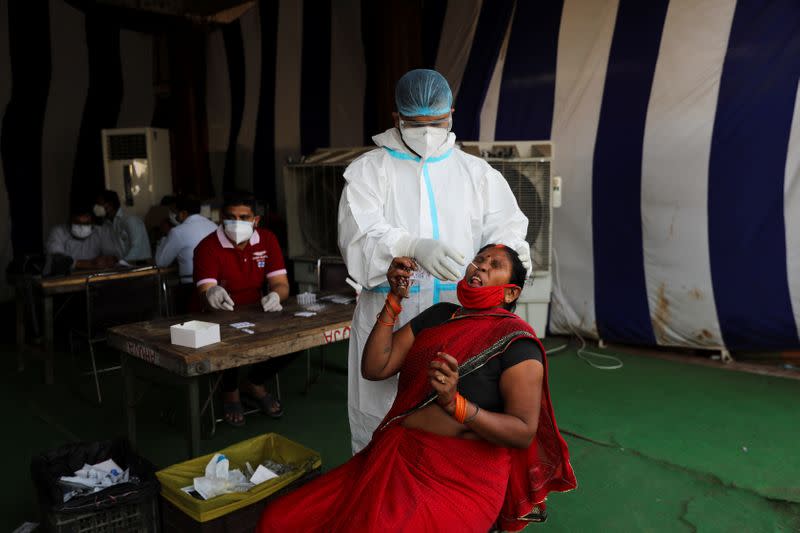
x: 411, y: 480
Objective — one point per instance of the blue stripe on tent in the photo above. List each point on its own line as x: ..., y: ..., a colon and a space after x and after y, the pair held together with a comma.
x: 23, y: 123
x: 746, y: 176
x: 486, y: 44
x: 528, y: 89
x: 433, y: 13
x: 264, y: 143
x: 234, y: 53
x: 315, y: 72
x: 621, y: 304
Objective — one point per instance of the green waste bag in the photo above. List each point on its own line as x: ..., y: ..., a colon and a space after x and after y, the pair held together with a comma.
x: 256, y: 450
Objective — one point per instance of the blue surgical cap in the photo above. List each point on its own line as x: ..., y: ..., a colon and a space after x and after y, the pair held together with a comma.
x: 423, y: 93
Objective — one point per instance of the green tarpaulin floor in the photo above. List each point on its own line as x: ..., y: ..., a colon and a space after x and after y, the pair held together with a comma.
x: 656, y: 445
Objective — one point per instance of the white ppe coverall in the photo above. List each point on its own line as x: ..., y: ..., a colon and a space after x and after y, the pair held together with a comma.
x: 389, y: 197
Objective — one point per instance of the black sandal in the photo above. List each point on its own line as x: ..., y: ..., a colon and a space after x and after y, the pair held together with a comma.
x: 266, y: 404
x: 231, y: 409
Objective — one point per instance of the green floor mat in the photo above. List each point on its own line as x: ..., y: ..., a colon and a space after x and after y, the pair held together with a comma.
x: 620, y: 491
x: 742, y: 428
x: 681, y: 429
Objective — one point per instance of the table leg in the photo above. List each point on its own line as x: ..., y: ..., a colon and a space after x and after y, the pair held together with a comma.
x: 20, y: 294
x: 193, y: 409
x: 129, y: 398
x: 48, y: 319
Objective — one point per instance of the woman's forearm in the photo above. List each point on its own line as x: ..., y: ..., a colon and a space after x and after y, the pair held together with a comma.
x: 501, y: 428
x: 498, y: 428
x: 378, y: 350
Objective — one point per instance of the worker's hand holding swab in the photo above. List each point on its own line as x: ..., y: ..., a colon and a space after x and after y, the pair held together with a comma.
x: 441, y: 260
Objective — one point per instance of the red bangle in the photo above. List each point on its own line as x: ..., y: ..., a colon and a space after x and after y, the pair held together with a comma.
x: 389, y: 311
x: 378, y: 318
x: 460, y: 412
x: 393, y: 304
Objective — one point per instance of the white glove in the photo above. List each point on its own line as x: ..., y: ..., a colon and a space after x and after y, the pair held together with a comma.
x: 439, y: 259
x: 271, y: 302
x: 218, y: 298
x: 524, y: 252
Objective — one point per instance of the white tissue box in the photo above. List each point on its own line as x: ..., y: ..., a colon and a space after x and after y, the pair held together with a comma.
x: 194, y: 333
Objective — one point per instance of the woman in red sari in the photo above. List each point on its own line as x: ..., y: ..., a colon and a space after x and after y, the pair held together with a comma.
x: 470, y: 443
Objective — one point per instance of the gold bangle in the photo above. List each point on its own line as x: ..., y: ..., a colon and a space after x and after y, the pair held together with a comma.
x: 477, y: 410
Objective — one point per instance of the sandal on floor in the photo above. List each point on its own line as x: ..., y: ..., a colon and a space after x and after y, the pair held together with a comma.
x: 231, y: 409
x: 266, y: 404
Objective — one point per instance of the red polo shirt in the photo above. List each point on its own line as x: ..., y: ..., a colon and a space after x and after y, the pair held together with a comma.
x: 241, y: 272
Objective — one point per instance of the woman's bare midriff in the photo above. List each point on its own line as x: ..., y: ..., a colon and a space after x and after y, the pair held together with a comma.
x: 434, y: 419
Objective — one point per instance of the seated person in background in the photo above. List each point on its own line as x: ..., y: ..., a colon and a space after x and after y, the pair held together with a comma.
x: 129, y: 231
x: 230, y: 268
x: 191, y: 228
x: 441, y: 461
x: 161, y: 218
x: 89, y: 246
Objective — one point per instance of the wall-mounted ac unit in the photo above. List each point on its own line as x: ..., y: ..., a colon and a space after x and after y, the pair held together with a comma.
x: 526, y: 166
x: 137, y: 166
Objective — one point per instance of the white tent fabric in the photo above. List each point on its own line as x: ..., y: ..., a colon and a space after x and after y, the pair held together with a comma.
x: 584, y: 42
x: 675, y: 172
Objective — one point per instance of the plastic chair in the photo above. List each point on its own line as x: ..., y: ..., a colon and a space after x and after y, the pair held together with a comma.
x: 331, y: 275
x: 113, y: 302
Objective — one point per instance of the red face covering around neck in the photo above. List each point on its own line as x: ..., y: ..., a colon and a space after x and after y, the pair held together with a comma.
x: 481, y: 297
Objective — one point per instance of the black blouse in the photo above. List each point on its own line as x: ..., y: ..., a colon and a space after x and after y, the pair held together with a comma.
x: 482, y: 386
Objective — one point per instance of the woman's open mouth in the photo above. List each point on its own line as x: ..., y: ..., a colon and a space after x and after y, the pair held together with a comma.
x: 475, y: 281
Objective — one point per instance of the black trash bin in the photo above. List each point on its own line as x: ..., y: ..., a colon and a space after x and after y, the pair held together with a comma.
x: 131, y: 506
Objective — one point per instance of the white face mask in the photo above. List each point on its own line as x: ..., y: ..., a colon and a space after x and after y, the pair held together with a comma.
x: 99, y: 211
x: 173, y: 219
x: 426, y: 140
x: 238, y: 230
x: 81, y: 231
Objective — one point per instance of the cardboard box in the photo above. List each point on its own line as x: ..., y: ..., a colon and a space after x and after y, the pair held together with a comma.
x: 194, y: 333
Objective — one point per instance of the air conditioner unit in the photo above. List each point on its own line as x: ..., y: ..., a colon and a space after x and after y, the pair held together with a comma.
x: 526, y: 166
x: 313, y: 188
x: 137, y: 166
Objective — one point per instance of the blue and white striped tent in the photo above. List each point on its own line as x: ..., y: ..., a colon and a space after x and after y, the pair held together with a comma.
x: 677, y: 133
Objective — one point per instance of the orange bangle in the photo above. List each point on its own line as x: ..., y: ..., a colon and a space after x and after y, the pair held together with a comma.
x: 378, y: 318
x: 394, y: 305
x: 460, y: 412
x: 389, y: 311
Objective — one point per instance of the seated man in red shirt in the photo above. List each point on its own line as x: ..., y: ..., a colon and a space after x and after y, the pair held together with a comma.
x: 231, y: 266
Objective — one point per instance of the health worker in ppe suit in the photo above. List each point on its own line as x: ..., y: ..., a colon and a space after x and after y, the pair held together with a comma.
x: 416, y: 195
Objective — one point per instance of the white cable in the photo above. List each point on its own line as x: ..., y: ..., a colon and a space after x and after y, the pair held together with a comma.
x: 557, y: 348
x: 582, y: 351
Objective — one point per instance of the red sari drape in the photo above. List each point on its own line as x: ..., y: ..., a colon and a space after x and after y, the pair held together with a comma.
x: 410, y: 480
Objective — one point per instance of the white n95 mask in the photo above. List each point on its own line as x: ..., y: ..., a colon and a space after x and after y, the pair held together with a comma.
x: 81, y: 231
x: 99, y: 211
x: 425, y: 140
x: 238, y: 230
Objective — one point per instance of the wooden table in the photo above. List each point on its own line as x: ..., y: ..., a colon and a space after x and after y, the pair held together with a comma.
x: 148, y: 353
x: 46, y: 288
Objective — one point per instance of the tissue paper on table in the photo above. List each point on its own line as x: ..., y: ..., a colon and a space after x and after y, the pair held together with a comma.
x: 220, y: 480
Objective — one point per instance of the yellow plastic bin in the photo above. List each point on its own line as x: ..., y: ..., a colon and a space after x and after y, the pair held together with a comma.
x: 256, y: 450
